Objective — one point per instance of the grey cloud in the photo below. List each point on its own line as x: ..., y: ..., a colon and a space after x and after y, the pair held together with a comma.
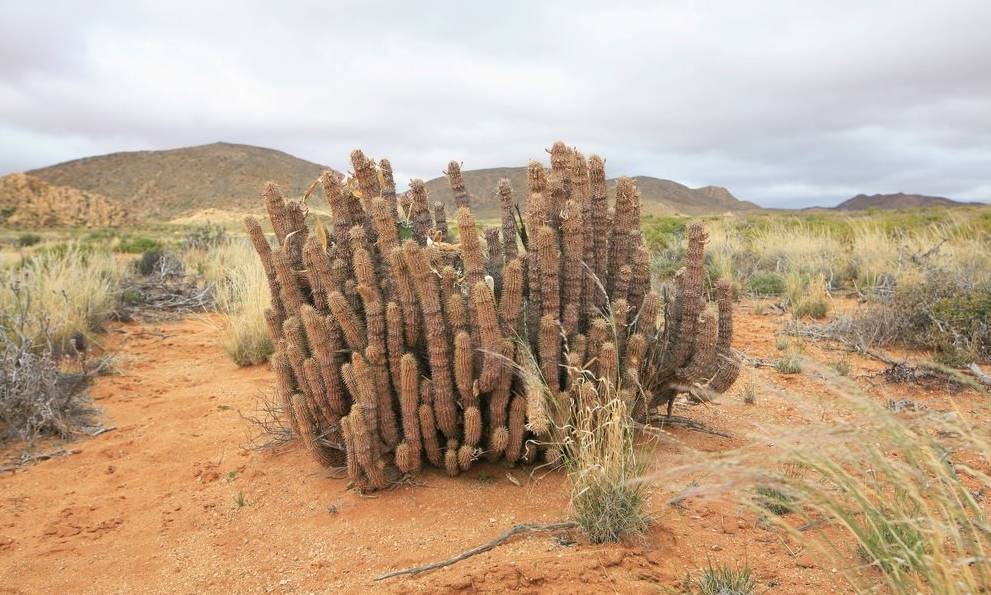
x: 786, y: 104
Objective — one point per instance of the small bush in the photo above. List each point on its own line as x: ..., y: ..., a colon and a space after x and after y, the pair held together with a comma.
x: 961, y: 329
x: 26, y: 240
x: 136, y: 245
x: 724, y: 580
x: 794, y: 288
x: 205, y: 237
x: 74, y: 289
x: 774, y: 500
x: 242, y: 295
x: 608, y: 495
x: 938, y: 311
x: 789, y: 364
x: 767, y: 284
x: 36, y: 397
x: 892, y: 543
x: 814, y: 302
x: 662, y: 232
x: 841, y: 367
x: 750, y: 390
x: 148, y: 262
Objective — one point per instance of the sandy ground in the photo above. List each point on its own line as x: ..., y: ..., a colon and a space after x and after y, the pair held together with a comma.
x: 171, y: 501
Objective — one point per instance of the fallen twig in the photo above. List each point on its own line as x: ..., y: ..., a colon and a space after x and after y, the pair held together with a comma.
x: 687, y: 423
x: 754, y: 361
x: 97, y: 431
x: 515, y: 530
x: 26, y: 458
x: 946, y: 373
x: 982, y: 377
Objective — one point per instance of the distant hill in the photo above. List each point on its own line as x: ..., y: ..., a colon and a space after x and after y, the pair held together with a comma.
x: 29, y: 202
x: 658, y: 196
x: 899, y: 200
x: 164, y: 184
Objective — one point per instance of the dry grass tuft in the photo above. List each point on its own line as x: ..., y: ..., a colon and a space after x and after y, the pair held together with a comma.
x: 241, y: 293
x: 901, y: 490
x: 608, y: 494
x: 723, y: 580
x: 37, y: 397
x: 67, y: 292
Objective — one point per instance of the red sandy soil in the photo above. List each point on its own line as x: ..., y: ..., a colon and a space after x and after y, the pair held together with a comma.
x: 155, y: 506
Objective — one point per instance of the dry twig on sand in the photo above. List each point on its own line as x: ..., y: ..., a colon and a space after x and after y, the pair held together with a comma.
x: 678, y: 421
x: 26, y: 458
x: 982, y: 377
x: 515, y: 530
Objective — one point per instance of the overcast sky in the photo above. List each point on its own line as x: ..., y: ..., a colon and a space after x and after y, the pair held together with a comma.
x: 784, y: 103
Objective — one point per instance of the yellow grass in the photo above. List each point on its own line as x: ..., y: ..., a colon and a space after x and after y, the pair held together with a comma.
x: 242, y: 294
x: 71, y: 289
x: 898, y: 492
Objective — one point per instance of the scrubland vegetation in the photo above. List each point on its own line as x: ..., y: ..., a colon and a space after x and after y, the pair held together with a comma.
x: 241, y: 294
x: 58, y: 292
x: 51, y: 304
x: 924, y: 276
x: 902, y: 492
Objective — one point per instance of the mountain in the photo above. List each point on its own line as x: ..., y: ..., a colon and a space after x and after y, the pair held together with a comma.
x: 897, y: 201
x: 164, y: 184
x: 658, y: 196
x: 191, y: 183
x: 29, y: 202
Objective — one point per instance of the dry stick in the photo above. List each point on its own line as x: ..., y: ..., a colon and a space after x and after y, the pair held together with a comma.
x: 515, y: 530
x: 946, y: 373
x: 97, y: 431
x: 33, y: 458
x: 978, y: 373
x: 685, y: 422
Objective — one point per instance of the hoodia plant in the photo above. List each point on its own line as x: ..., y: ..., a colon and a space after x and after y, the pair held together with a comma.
x: 401, y: 342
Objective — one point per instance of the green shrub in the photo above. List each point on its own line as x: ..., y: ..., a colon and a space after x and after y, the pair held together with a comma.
x: 774, y: 500
x: 961, y: 329
x: 70, y: 289
x: 841, y: 367
x: 204, y: 237
x: 136, y: 245
x: 662, y: 232
x: 148, y: 262
x: 939, y: 311
x: 789, y: 364
x: 892, y: 543
x: 767, y: 284
x: 26, y: 240
x: 724, y: 580
x: 814, y: 301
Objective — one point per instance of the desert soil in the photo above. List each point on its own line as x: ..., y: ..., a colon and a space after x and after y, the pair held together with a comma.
x: 171, y: 501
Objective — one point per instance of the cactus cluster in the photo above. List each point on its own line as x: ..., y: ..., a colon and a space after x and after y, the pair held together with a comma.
x: 392, y: 353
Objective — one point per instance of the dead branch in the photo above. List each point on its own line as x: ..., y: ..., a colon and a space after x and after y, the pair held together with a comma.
x: 26, y: 458
x: 679, y: 421
x: 515, y: 530
x: 929, y: 368
x: 754, y: 361
x: 982, y: 377
x: 97, y: 431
